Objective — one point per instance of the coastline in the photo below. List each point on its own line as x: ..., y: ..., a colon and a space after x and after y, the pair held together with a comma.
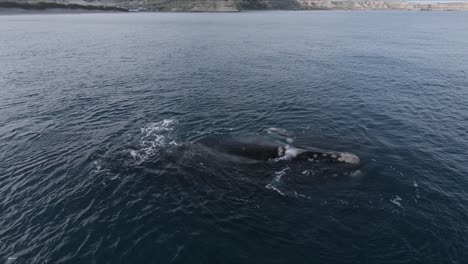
x: 51, y: 11
x: 14, y: 8
x: 220, y: 6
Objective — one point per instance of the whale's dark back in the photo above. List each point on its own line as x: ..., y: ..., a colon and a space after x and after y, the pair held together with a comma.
x: 250, y: 147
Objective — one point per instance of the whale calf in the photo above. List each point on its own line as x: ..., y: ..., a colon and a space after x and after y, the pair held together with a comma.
x: 257, y: 148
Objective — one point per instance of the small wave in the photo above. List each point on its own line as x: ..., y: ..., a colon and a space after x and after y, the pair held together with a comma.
x: 355, y: 174
x: 298, y: 195
x: 277, y: 131
x: 416, y: 191
x: 276, y: 182
x: 154, y: 129
x: 154, y: 137
x: 11, y: 259
x: 280, y: 132
x: 397, y: 200
x: 97, y: 167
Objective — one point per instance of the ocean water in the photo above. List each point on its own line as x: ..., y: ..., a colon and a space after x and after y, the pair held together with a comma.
x: 100, y: 114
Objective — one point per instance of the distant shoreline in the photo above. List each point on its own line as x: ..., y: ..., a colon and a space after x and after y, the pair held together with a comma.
x: 178, y: 6
x: 44, y: 7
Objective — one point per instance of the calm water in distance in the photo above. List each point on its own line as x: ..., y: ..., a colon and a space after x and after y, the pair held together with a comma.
x: 98, y: 114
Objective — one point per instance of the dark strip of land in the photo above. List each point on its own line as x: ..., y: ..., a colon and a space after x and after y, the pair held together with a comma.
x: 44, y: 6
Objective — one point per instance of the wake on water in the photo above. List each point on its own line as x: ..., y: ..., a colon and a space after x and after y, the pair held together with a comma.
x: 276, y: 183
x: 154, y: 137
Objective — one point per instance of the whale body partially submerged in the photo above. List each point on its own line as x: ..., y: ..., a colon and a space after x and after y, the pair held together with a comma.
x: 258, y: 148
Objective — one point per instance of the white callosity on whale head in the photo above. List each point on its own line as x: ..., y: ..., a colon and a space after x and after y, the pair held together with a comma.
x: 348, y: 158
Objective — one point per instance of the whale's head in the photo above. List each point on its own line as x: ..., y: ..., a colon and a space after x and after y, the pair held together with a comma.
x: 324, y: 156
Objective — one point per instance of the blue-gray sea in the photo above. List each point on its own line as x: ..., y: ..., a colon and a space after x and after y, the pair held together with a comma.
x: 100, y: 115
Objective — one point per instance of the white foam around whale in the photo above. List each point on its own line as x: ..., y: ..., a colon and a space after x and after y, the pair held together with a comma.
x: 154, y: 137
x: 276, y: 182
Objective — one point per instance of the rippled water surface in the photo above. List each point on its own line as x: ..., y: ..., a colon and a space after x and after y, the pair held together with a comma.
x: 99, y: 114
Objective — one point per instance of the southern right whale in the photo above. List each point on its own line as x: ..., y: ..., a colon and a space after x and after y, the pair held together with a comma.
x: 254, y: 148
